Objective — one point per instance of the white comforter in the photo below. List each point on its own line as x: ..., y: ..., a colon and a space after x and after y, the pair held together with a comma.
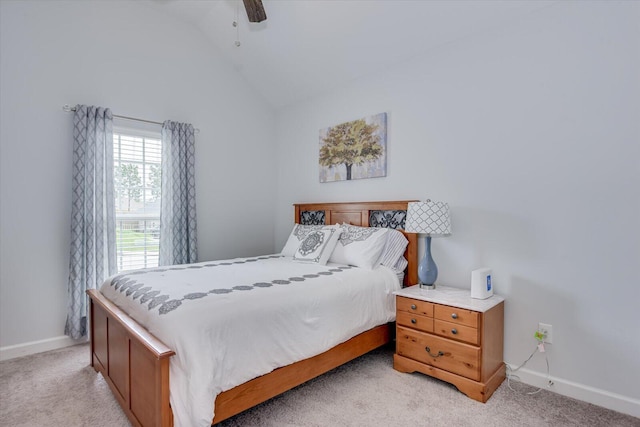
x: 232, y: 321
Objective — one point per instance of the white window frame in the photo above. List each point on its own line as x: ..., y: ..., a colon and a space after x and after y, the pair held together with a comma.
x: 144, y: 252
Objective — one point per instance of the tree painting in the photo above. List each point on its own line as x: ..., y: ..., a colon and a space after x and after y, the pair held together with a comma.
x: 354, y: 150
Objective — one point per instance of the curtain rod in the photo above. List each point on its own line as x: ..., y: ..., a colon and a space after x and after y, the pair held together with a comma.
x: 68, y: 109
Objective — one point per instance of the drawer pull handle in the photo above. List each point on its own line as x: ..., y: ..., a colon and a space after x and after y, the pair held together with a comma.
x: 414, y: 321
x: 413, y: 307
x: 433, y: 355
x: 454, y: 331
x: 454, y: 315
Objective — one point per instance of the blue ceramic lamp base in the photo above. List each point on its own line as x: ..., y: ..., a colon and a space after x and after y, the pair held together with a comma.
x: 427, y: 269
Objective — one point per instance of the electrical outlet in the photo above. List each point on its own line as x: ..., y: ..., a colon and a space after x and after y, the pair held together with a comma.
x: 548, y: 332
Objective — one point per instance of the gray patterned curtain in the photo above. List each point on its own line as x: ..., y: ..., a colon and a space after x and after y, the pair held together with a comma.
x: 178, y: 198
x: 93, y: 236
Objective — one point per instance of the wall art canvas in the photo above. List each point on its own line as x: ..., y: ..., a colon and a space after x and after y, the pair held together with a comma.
x: 354, y: 150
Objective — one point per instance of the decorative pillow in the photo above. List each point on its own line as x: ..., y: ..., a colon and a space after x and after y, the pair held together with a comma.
x: 298, y: 234
x: 359, y: 246
x: 392, y: 254
x: 318, y: 245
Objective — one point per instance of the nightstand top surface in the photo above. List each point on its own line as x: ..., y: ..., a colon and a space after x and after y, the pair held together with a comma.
x: 448, y: 295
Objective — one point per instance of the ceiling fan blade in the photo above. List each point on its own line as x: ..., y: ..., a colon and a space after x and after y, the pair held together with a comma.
x: 255, y: 10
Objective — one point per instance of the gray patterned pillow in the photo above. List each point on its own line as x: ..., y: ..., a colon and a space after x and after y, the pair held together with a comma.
x: 318, y: 245
x: 298, y: 234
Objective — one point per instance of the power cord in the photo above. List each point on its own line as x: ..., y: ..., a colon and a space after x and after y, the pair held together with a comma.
x: 539, y: 336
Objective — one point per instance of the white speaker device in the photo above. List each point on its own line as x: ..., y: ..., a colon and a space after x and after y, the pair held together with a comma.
x: 481, y: 287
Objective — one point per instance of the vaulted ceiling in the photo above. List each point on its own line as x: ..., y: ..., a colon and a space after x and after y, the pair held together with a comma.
x: 306, y: 47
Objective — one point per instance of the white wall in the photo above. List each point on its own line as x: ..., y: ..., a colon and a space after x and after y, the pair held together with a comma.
x: 531, y: 133
x: 140, y: 63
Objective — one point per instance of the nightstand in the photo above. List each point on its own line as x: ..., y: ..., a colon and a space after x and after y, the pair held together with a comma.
x: 448, y: 335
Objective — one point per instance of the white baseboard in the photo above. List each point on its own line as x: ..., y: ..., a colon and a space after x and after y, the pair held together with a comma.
x: 617, y: 402
x: 33, y: 347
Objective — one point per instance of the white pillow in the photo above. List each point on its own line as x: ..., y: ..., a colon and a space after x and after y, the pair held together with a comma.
x: 401, y: 265
x: 318, y: 245
x: 359, y: 246
x: 392, y: 254
x: 299, y: 232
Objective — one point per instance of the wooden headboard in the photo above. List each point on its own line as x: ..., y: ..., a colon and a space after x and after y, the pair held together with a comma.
x: 389, y: 214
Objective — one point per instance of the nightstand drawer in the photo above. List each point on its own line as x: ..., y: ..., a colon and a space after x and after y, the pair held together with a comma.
x: 457, y: 332
x: 456, y: 315
x: 422, y: 323
x: 414, y: 306
x: 456, y: 357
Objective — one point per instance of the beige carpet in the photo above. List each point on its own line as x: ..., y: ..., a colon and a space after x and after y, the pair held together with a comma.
x: 58, y: 388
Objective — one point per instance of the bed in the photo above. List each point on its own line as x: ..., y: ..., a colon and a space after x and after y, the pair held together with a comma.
x: 136, y: 363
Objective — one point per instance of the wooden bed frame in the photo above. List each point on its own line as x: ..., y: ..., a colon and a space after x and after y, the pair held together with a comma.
x: 135, y: 364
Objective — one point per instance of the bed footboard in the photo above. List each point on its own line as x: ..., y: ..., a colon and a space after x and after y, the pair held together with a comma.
x: 134, y: 363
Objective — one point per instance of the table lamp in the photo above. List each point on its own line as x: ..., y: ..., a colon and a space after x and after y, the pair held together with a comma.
x: 429, y: 218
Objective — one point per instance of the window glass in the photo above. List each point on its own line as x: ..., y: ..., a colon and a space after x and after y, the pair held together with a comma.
x: 137, y: 198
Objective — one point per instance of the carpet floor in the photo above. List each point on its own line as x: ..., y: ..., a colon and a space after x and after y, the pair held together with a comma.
x: 59, y: 388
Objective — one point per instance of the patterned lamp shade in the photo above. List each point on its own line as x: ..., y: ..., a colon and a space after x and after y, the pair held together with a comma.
x: 428, y: 218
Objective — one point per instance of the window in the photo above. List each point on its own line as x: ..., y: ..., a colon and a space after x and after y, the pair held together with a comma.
x: 136, y: 162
